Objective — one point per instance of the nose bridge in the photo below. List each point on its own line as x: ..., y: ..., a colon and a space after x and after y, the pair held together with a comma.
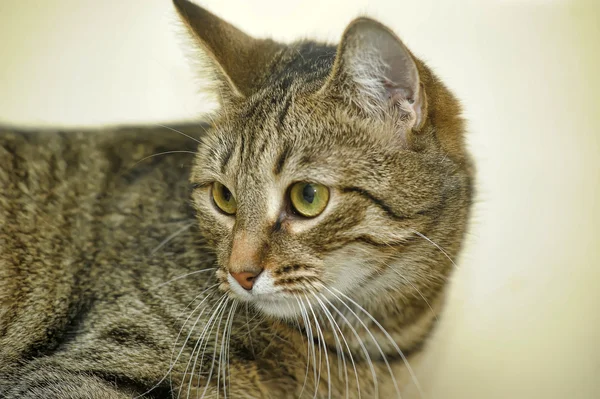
x: 250, y: 232
x: 252, y: 188
x: 245, y: 253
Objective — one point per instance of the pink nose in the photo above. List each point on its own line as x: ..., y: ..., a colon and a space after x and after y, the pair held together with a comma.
x: 245, y: 279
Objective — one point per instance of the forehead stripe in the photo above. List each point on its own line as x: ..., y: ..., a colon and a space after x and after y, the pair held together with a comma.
x: 284, y: 110
x: 380, y: 203
x: 281, y: 160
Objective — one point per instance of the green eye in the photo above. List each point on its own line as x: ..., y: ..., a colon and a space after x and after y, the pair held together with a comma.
x: 223, y: 198
x: 309, y: 199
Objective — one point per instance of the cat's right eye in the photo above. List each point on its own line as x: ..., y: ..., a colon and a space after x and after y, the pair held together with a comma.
x: 223, y: 198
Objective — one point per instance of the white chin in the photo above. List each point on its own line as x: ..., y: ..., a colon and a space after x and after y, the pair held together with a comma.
x: 280, y: 308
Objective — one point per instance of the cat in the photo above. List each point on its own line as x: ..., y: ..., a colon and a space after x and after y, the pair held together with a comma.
x: 298, y: 246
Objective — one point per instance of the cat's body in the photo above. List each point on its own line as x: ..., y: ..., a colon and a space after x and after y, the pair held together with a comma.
x: 79, y: 220
x: 114, y: 284
x: 83, y: 262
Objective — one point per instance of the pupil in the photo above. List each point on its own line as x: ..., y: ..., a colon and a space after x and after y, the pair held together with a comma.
x: 308, y: 193
x: 226, y: 194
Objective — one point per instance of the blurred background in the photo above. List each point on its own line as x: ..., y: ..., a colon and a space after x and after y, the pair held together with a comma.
x: 523, y: 315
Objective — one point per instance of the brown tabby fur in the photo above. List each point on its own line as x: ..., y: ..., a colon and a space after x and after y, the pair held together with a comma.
x: 114, y: 260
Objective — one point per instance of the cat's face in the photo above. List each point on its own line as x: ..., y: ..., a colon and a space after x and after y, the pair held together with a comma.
x: 328, y: 171
x: 323, y: 201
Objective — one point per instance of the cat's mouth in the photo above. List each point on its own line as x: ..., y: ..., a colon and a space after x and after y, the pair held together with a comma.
x: 271, y: 299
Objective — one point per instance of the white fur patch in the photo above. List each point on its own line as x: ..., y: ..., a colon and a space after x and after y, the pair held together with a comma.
x: 264, y: 285
x: 349, y: 267
x: 274, y: 199
x: 266, y: 296
x: 283, y: 308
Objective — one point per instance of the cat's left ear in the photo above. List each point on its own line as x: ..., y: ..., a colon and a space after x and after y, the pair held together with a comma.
x: 378, y: 72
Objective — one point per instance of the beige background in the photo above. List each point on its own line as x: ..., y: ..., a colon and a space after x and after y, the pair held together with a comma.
x: 523, y: 319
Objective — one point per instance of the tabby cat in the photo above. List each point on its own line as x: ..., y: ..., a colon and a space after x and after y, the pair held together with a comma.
x: 297, y: 247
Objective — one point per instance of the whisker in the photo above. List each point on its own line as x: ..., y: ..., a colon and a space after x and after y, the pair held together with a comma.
x: 374, y: 341
x: 162, y: 153
x: 435, y: 245
x: 213, y: 310
x: 311, y: 341
x: 173, y: 362
x: 304, y: 320
x: 235, y: 305
x: 183, y: 276
x: 416, y: 289
x: 177, y: 131
x: 323, y: 345
x: 202, y: 344
x: 222, y: 312
x: 227, y: 336
x: 335, y: 328
x: 170, y: 237
x: 390, y: 267
x: 221, y: 357
x: 360, y: 343
x: 249, y: 333
x: 384, y: 331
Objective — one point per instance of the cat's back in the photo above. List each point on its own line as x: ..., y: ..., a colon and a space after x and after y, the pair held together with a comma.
x: 61, y: 195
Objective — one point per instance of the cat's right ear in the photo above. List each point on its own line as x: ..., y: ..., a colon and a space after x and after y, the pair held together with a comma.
x: 237, y: 59
x: 375, y: 70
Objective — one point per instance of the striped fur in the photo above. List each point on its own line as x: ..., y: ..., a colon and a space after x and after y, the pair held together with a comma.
x: 115, y: 263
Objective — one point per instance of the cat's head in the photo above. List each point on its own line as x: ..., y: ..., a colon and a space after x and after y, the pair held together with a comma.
x: 328, y: 170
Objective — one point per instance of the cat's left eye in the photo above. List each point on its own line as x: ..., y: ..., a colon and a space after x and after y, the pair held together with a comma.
x: 309, y: 199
